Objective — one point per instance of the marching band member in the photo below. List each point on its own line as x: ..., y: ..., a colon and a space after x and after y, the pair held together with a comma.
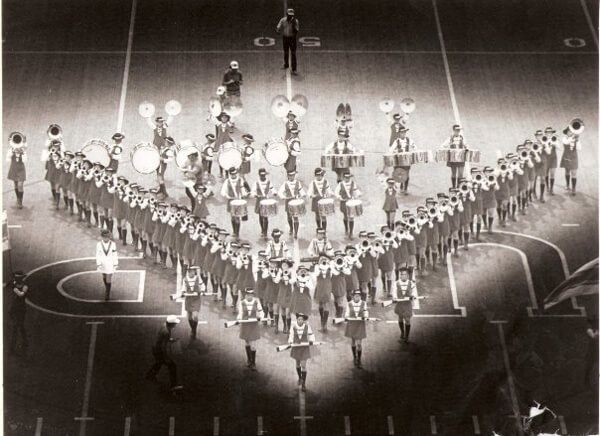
x: 405, y: 295
x: 341, y: 146
x: 293, y: 148
x: 247, y: 154
x: 338, y: 282
x: 421, y: 238
x: 211, y: 244
x: 261, y: 270
x: 323, y: 273
x: 201, y: 193
x: 514, y: 168
x: 107, y: 260
x: 190, y: 290
x: 467, y: 197
x: 232, y: 79
x: 75, y: 186
x: 54, y: 148
x: 163, y: 354
x: 285, y: 281
x: 224, y: 130
x: 531, y: 174
x: 120, y: 205
x: 301, y: 298
x: 437, y: 230
x: 160, y: 218
x: 401, y: 144
x: 18, y: 310
x: 107, y: 199
x: 17, y: 156
x: 375, y: 250
x: 95, y: 190
x: 541, y: 164
x: 356, y: 329
x: 390, y: 204
x: 230, y: 273
x: 170, y: 235
x: 397, y: 124
x: 185, y: 218
x: 552, y: 159
x: 149, y: 226
x: 263, y: 190
x: 250, y: 308
x: 193, y: 174
x: 291, y: 124
x: 503, y: 191
x: 455, y: 211
x: 208, y: 152
x: 570, y: 160
x: 320, y: 246
x: 271, y: 291
x: 354, y: 264
x: 301, y: 333
x: 385, y: 261
x: 290, y: 190
x: 116, y: 150
x: 217, y: 267
x: 64, y: 181
x: 319, y: 189
x: 276, y: 247
x: 522, y: 178
x: 488, y: 197
x: 160, y: 140
x: 347, y: 190
x: 477, y: 205
x: 233, y: 188
x: 245, y: 265
x: 456, y: 141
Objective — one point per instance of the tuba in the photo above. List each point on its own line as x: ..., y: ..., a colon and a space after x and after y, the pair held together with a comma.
x: 54, y: 132
x: 17, y: 140
x: 576, y: 126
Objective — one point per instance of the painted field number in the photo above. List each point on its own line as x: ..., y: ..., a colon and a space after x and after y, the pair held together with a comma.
x: 574, y: 42
x: 305, y: 41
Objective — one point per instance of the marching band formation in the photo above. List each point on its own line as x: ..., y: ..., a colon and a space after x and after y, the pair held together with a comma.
x: 269, y: 286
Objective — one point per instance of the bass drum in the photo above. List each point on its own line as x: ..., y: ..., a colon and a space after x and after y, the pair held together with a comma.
x: 276, y: 152
x: 145, y: 158
x: 96, y: 150
x: 230, y: 156
x: 182, y: 151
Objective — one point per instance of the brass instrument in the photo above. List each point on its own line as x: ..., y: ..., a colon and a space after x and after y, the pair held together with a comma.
x: 503, y: 167
x: 17, y: 140
x: 365, y: 244
x: 54, y: 132
x: 412, y: 221
x: 323, y: 262
x: 524, y: 154
x: 535, y: 147
x: 576, y: 126
x: 377, y: 244
x: 423, y: 217
x: 464, y: 188
x: 433, y: 211
x: 444, y: 202
x: 340, y: 261
x: 492, y: 179
x: 454, y: 200
x: 479, y: 178
x: 388, y: 235
x: 302, y: 273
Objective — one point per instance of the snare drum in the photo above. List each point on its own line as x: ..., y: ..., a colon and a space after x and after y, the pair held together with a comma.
x: 326, y: 206
x: 420, y: 156
x: 96, y: 150
x: 441, y: 155
x: 354, y: 208
x: 456, y: 155
x: 267, y: 207
x: 182, y: 151
x: 337, y: 161
x: 238, y: 207
x: 230, y: 156
x: 145, y: 158
x: 296, y: 207
x: 276, y: 152
x: 472, y: 156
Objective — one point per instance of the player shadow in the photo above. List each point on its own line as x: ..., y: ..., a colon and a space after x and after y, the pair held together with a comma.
x: 197, y: 347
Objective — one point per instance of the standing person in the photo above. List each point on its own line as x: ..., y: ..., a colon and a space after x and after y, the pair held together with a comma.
x: 293, y: 148
x: 208, y: 152
x: 290, y: 190
x: 320, y: 246
x: 390, y: 204
x: 17, y: 156
x: 233, y: 189
x: 341, y: 146
x: 323, y: 274
x: 319, y: 189
x: 301, y: 333
x: 163, y: 354
x: 193, y: 172
x: 17, y: 310
x: 115, y: 151
x: 405, y: 295
x: 263, y: 190
x: 250, y: 309
x: 163, y: 142
x: 570, y: 159
x: 347, y: 190
x: 191, y: 289
x: 541, y: 164
x: 107, y: 260
x: 400, y: 143
x: 232, y: 80
x: 357, y: 312
x: 276, y: 247
x: 291, y: 126
x: 456, y: 141
x: 288, y: 27
x: 552, y: 159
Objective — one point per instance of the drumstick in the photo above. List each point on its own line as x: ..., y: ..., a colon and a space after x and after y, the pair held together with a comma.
x: 192, y: 294
x: 341, y: 320
x: 388, y: 303
x: 301, y: 344
x: 239, y: 321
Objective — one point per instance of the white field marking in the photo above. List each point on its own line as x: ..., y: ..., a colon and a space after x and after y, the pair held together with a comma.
x: 178, y: 285
x: 15, y: 226
x: 563, y: 425
x: 476, y: 428
x: 121, y: 113
x: 288, y: 82
x: 451, y: 279
x: 324, y: 51
x: 39, y: 422
x: 140, y: 293
x: 127, y: 429
x: 302, y: 410
x: 570, y: 225
x: 347, y: 429
x: 390, y: 421
x: 259, y: 425
x: 563, y: 261
x: 172, y: 426
x: 446, y: 64
x: 588, y: 18
x: 511, y: 383
x: 88, y: 378
x: 433, y: 424
x: 216, y: 426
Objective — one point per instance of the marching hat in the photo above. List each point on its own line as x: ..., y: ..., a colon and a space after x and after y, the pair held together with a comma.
x: 475, y: 170
x: 295, y: 130
x: 403, y: 129
x: 487, y: 169
x: 357, y: 292
x: 162, y: 204
x: 320, y: 231
x: 350, y: 248
x: 276, y: 232
x: 421, y: 209
x: 319, y: 171
x: 109, y: 170
x: 549, y: 130
x: 185, y: 208
x: 248, y: 137
x: 122, y: 178
x: 223, y: 114
x: 338, y: 253
x: 301, y: 315
x: 390, y: 180
x: 291, y: 113
x: 98, y: 164
x: 248, y: 291
x: 159, y: 119
x: 343, y: 132
x: 371, y: 235
x: 246, y: 245
x: 430, y: 200
x: 396, y: 116
x: 453, y: 190
x: 141, y: 190
x: 105, y: 233
x: 234, y: 65
x: 153, y: 191
x: 405, y: 213
x: 79, y: 154
x: 527, y: 141
x: 292, y: 173
x: 457, y: 127
x: 223, y: 232
x: 193, y: 268
x: 538, y: 132
x: 234, y: 245
x: 442, y: 195
x: 403, y: 269
x: 212, y: 226
x: 362, y: 234
x: 232, y: 171
x: 172, y: 319
x: 347, y: 174
x: 262, y: 253
x: 262, y: 171
x: 118, y: 136
x: 210, y: 136
x: 169, y: 140
x: 69, y: 154
x: 290, y: 11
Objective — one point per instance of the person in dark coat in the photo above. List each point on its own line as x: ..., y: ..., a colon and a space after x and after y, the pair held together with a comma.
x: 163, y: 355
x: 17, y: 311
x: 288, y: 27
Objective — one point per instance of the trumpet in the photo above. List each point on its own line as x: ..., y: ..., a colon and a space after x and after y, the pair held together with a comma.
x: 323, y: 263
x: 340, y: 261
x: 491, y: 179
x: 576, y: 126
x: 524, y: 154
x: 302, y: 273
x: 464, y: 188
x: 444, y: 203
x: 412, y: 221
x: 389, y: 235
x: 535, y: 147
x: 479, y: 178
x: 433, y: 211
x: 54, y: 131
x: 454, y: 200
x: 503, y: 167
x: 377, y: 244
x: 545, y: 139
x: 365, y: 244
x: 423, y: 217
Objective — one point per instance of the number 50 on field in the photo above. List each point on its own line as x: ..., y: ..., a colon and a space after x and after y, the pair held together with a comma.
x: 305, y: 41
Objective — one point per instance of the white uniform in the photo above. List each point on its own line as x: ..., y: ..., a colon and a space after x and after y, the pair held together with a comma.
x: 106, y: 257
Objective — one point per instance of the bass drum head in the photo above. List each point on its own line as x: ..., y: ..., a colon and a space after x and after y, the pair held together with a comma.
x: 145, y: 158
x: 96, y: 150
x: 276, y: 153
x: 230, y: 158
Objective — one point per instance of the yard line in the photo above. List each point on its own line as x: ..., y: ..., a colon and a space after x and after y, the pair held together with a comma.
x: 172, y: 426
x: 433, y: 424
x: 476, y: 428
x: 38, y: 426
x: 390, y: 421
x: 451, y: 279
x: 511, y: 383
x: 446, y: 65
x: 88, y: 377
x: 563, y: 425
x: 126, y: 70
x: 15, y: 226
x: 347, y: 430
x: 324, y: 51
x: 563, y: 224
x: 216, y: 426
x: 127, y: 429
x: 302, y: 415
x: 588, y: 18
x: 259, y: 425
